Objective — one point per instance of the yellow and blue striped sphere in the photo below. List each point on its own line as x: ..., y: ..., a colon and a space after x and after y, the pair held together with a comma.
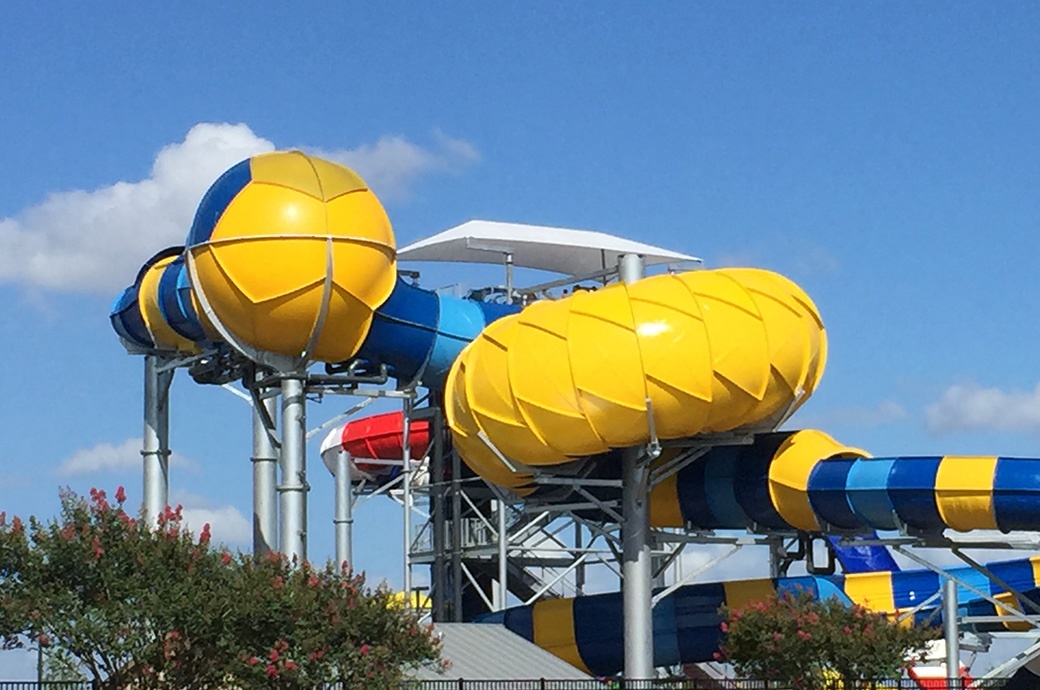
x: 287, y: 251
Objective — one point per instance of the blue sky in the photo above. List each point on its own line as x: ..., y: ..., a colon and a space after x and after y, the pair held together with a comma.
x: 884, y: 156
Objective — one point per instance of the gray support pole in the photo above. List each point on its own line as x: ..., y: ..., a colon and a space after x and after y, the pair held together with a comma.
x: 579, y: 572
x: 509, y: 278
x: 636, y: 566
x: 406, y: 468
x: 637, y: 575
x: 456, y: 536
x: 265, y: 478
x: 293, y: 489
x: 344, y: 520
x: 952, y: 632
x: 155, y: 449
x: 502, y: 595
x: 440, y: 555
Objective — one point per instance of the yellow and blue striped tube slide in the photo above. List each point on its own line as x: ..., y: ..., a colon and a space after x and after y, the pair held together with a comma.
x: 589, y: 631
x: 805, y: 480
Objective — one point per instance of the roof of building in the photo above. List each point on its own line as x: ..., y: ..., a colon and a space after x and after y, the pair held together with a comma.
x: 561, y: 250
x: 489, y: 651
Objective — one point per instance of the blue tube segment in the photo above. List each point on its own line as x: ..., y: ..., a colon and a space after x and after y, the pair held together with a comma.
x: 911, y: 488
x: 697, y: 620
x: 913, y: 587
x: 867, y: 486
x: 175, y: 302
x: 599, y: 631
x: 752, y: 481
x: 691, y: 487
x: 417, y: 332
x: 1016, y: 493
x: 127, y: 321
x: 216, y: 200
x: 461, y: 320
x: 720, y: 481
x: 403, y: 330
x: 827, y: 494
x: 861, y: 558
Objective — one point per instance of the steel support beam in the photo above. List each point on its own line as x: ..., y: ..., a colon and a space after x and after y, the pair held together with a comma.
x: 636, y: 566
x: 293, y: 489
x: 344, y: 517
x: 265, y: 475
x: 406, y: 486
x: 952, y: 633
x: 155, y: 450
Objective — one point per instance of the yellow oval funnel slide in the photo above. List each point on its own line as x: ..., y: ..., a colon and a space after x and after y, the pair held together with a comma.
x: 677, y: 355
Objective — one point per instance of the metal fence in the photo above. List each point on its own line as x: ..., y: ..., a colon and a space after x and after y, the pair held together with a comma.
x: 547, y: 684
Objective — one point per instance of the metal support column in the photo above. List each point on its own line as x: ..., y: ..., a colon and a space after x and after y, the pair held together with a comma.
x: 952, y: 632
x: 502, y: 591
x: 456, y: 536
x: 265, y: 476
x: 438, y: 475
x: 406, y: 485
x: 636, y: 568
x: 344, y: 519
x: 155, y: 449
x: 293, y: 489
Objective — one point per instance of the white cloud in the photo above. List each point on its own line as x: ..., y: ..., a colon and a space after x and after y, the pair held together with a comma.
x: 95, y: 241
x: 392, y: 165
x: 884, y: 412
x: 106, y: 457
x: 969, y: 407
x: 227, y: 524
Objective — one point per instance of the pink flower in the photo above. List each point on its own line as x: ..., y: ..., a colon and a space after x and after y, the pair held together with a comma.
x: 278, y: 582
x: 120, y: 495
x: 365, y: 650
x: 205, y: 536
x: 253, y: 661
x: 290, y: 666
x: 274, y: 655
x: 225, y: 558
x: 724, y: 627
x: 271, y: 671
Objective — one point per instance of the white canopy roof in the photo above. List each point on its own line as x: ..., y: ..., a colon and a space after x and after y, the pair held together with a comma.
x: 571, y: 252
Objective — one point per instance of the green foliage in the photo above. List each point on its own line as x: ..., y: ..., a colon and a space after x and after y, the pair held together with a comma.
x: 808, y: 643
x: 158, y: 608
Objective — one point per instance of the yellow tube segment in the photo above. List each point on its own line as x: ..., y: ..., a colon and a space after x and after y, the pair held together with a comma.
x: 164, y: 337
x: 789, y: 473
x: 553, y: 623
x: 964, y: 492
x: 683, y: 354
x: 300, y: 256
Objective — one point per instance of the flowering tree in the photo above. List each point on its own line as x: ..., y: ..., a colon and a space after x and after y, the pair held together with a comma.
x: 159, y: 608
x: 804, y: 642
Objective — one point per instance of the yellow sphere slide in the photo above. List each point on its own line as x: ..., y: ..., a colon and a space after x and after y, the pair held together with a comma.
x: 290, y: 254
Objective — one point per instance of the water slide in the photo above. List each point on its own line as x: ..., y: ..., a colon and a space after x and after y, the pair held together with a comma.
x: 291, y: 260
